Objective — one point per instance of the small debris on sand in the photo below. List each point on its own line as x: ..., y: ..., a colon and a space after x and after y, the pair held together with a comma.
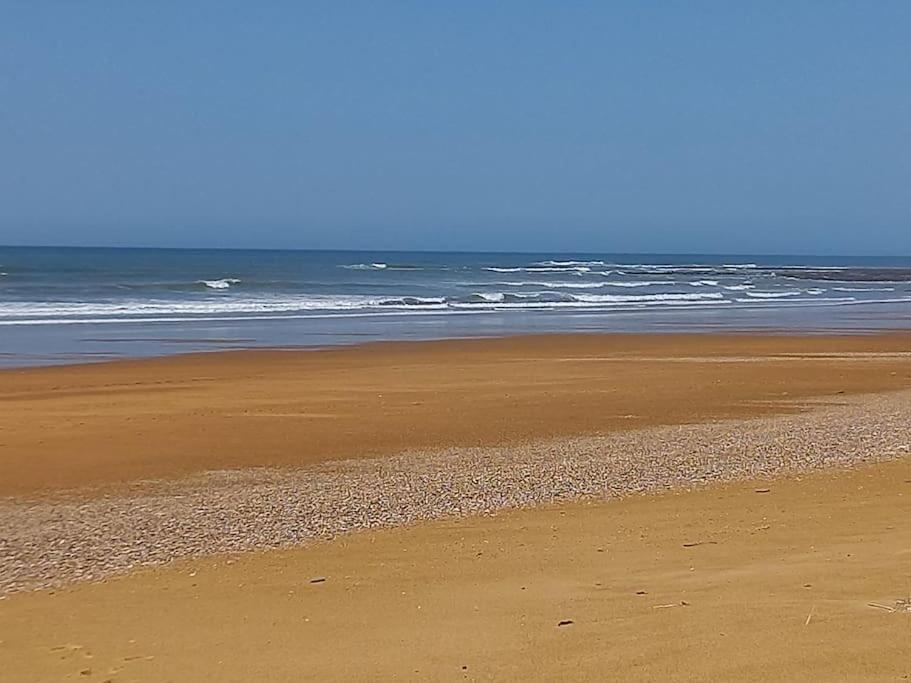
x: 902, y: 605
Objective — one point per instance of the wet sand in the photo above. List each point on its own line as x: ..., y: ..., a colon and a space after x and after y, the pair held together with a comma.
x: 87, y: 425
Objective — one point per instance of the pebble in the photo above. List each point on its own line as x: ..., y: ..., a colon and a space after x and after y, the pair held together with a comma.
x: 91, y: 535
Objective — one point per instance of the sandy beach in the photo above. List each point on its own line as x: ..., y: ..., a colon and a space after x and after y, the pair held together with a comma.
x: 455, y: 342
x: 436, y: 510
x: 93, y: 424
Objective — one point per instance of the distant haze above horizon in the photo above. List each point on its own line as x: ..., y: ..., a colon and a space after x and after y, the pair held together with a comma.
x: 703, y: 127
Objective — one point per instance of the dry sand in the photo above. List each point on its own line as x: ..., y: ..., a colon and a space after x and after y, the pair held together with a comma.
x: 757, y: 579
x: 487, y: 593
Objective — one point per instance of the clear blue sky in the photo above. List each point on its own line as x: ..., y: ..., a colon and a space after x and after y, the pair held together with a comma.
x: 767, y: 126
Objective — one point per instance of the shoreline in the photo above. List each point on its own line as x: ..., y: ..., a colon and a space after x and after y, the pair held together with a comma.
x: 30, y: 345
x: 233, y: 347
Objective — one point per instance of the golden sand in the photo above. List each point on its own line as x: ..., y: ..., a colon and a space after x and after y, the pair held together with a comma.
x: 169, y: 417
x: 797, y: 578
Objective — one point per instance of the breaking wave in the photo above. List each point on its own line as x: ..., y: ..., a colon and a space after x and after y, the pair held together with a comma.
x: 25, y: 312
x: 774, y: 295
x: 224, y: 283
x: 538, y: 269
x: 365, y: 266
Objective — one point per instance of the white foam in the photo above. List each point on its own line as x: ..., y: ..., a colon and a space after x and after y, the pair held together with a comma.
x: 553, y: 285
x: 143, y: 308
x: 450, y: 309
x: 831, y: 301
x: 492, y: 297
x: 670, y: 268
x: 638, y: 283
x: 593, y: 305
x: 774, y: 295
x: 201, y: 307
x: 407, y: 301
x: 585, y: 285
x: 645, y: 298
x: 224, y: 283
x: 366, y: 266
x: 569, y: 264
x: 538, y: 269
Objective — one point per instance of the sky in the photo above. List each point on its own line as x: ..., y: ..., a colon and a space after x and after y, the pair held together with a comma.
x: 713, y: 127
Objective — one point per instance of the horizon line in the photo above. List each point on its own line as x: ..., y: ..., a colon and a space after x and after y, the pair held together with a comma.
x: 454, y: 251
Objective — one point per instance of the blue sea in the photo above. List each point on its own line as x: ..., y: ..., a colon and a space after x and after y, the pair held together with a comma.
x: 61, y: 305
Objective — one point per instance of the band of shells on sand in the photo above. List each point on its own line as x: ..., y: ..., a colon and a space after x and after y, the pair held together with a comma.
x: 48, y: 542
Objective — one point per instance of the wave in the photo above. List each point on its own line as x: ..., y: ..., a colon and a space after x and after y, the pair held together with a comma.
x: 638, y: 283
x: 454, y: 310
x: 224, y: 283
x: 144, y: 307
x: 410, y: 301
x: 627, y: 298
x: 137, y: 309
x: 42, y: 313
x: 557, y: 301
x: 685, y: 270
x: 585, y: 285
x: 365, y: 266
x: 742, y: 287
x: 829, y: 301
x: 796, y: 272
x: 538, y: 269
x: 774, y: 295
x: 386, y: 266
x: 863, y: 289
x: 569, y: 264
x: 845, y: 274
x: 495, y: 298
x: 553, y: 285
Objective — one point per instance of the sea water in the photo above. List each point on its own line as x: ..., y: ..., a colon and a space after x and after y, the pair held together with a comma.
x: 77, y: 304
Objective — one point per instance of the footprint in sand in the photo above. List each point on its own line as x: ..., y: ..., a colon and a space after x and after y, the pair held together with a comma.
x: 68, y: 648
x: 71, y: 648
x: 136, y: 658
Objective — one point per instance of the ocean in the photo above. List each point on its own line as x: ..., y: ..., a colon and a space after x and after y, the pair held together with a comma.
x: 62, y: 305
